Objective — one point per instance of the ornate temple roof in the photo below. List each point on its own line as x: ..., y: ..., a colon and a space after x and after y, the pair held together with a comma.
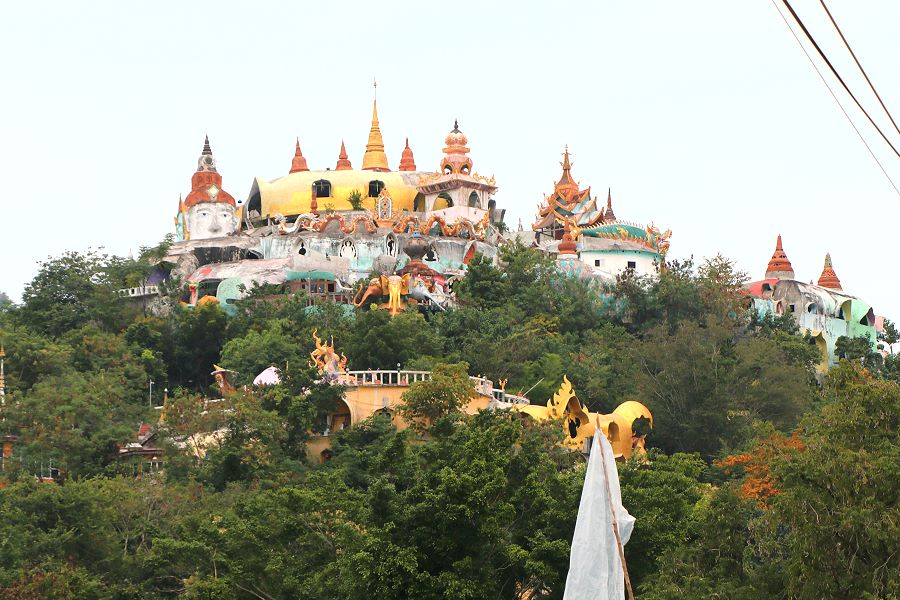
x: 568, y: 201
x: 375, y: 159
x: 206, y: 182
x: 779, y: 266
x: 649, y: 237
x: 829, y: 278
x: 299, y: 162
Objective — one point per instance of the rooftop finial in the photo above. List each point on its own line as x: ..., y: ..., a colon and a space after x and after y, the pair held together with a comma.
x: 343, y: 164
x: 610, y: 215
x: 206, y: 148
x: 455, y: 126
x: 375, y: 159
x: 779, y: 266
x: 829, y: 278
x: 299, y: 162
x: 407, y: 162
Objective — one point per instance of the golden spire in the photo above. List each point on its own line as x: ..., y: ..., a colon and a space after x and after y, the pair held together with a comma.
x: 375, y: 159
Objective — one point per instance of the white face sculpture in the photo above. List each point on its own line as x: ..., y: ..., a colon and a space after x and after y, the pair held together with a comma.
x: 211, y: 220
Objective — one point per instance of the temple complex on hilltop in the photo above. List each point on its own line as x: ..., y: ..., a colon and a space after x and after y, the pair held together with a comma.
x: 823, y: 309
x: 590, y: 240
x: 323, y: 230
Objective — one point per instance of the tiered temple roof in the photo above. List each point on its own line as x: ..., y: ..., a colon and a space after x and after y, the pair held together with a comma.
x: 568, y: 201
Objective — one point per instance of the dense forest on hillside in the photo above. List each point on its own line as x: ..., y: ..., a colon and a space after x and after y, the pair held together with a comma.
x: 763, y: 480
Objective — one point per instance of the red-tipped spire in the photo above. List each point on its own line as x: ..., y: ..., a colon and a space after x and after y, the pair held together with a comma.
x: 299, y: 163
x: 343, y: 164
x: 610, y: 215
x: 829, y: 278
x: 407, y: 162
x: 779, y: 267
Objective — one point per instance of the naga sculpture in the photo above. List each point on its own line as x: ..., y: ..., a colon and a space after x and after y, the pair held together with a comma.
x: 310, y: 222
x: 325, y: 359
x: 579, y: 424
x: 661, y: 239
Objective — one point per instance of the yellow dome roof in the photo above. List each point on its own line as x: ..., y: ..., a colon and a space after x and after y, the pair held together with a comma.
x: 291, y: 194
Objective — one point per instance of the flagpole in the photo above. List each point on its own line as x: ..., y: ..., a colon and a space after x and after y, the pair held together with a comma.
x: 615, y: 524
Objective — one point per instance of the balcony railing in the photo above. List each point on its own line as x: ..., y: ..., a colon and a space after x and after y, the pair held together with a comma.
x: 483, y: 385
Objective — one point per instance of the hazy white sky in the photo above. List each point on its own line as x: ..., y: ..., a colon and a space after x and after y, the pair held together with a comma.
x: 703, y: 116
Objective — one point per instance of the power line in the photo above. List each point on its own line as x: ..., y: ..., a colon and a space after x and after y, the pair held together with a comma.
x: 833, y: 95
x: 834, y: 71
x: 871, y: 85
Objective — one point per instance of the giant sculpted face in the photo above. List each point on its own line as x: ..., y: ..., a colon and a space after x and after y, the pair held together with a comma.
x: 211, y: 220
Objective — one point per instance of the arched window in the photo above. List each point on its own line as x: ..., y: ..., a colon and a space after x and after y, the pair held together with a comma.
x: 443, y: 201
x: 323, y: 188
x: 375, y: 188
x: 419, y: 203
x: 474, y: 200
x: 812, y: 308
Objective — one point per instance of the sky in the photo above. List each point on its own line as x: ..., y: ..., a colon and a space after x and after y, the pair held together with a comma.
x: 704, y: 116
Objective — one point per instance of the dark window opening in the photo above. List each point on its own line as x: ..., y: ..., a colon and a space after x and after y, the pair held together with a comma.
x: 632, y: 264
x: 419, y: 203
x: 446, y: 197
x: 597, y: 262
x: 791, y: 307
x: 375, y: 188
x: 323, y: 188
x: 474, y: 200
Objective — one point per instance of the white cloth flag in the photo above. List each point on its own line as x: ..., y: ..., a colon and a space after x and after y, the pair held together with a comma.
x: 595, y: 569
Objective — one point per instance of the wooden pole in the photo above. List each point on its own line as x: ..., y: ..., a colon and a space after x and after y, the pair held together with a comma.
x: 615, y: 524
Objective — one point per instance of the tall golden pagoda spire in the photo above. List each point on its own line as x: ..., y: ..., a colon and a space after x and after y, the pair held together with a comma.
x: 375, y: 159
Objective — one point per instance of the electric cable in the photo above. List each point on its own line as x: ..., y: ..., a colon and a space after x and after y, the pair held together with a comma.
x: 834, y: 71
x: 853, y: 54
x: 833, y: 95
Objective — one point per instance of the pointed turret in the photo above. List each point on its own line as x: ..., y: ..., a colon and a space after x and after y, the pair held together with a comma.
x: 779, y: 267
x: 609, y: 216
x: 375, y: 159
x: 407, y: 162
x: 343, y: 164
x: 456, y: 153
x: 299, y: 162
x: 206, y: 182
x: 829, y: 278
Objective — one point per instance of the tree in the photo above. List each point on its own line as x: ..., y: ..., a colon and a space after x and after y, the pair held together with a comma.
x: 69, y: 291
x: 199, y: 334
x: 448, y: 390
x: 889, y: 335
x: 661, y: 495
x: 839, y: 492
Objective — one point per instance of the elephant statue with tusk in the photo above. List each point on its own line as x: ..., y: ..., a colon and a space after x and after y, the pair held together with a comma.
x: 419, y: 291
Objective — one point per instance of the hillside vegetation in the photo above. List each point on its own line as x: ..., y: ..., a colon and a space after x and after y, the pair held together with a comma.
x: 762, y: 482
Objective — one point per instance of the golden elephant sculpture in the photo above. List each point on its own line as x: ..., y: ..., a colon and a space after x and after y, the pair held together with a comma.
x: 392, y: 286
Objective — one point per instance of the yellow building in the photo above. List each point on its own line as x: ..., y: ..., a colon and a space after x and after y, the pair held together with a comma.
x: 368, y: 393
